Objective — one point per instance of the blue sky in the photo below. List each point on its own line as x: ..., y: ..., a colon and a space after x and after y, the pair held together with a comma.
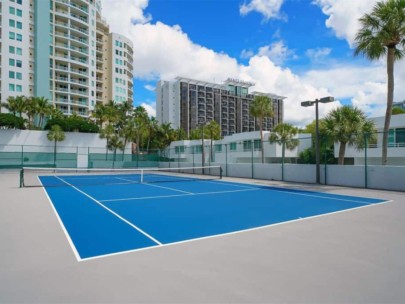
x: 300, y: 49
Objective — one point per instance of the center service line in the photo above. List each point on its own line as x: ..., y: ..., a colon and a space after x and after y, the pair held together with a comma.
x: 114, y: 213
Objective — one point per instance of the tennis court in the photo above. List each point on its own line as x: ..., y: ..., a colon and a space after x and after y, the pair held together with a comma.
x: 116, y: 211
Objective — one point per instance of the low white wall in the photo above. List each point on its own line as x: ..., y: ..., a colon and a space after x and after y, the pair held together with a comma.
x: 300, y: 173
x: 340, y: 175
x: 386, y: 177
x: 267, y: 171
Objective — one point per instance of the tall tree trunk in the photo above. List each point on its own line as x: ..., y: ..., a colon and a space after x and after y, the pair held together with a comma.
x: 342, y: 150
x: 390, y: 100
x: 261, y: 139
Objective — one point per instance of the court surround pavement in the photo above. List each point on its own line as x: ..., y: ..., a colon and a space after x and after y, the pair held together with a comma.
x: 350, y: 257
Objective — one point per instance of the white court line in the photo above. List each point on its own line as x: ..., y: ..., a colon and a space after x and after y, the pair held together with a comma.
x: 173, y: 189
x: 72, y: 245
x: 114, y: 213
x: 234, y: 232
x: 270, y: 188
x: 175, y: 195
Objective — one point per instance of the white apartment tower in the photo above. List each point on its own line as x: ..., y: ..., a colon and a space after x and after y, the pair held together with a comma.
x: 188, y: 103
x: 62, y: 50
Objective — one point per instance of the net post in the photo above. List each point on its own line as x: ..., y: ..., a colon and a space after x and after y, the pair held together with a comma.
x: 22, y: 177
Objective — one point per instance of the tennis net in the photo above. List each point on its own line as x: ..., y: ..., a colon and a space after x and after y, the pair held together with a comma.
x: 55, y: 177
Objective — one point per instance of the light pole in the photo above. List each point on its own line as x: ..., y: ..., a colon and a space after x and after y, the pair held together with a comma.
x: 317, y: 149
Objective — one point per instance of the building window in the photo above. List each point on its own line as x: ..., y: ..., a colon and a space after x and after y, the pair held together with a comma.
x: 11, y: 49
x: 19, y: 37
x: 218, y: 148
x: 18, y: 88
x: 19, y: 51
x: 247, y: 145
x: 11, y: 87
x: 18, y: 63
x: 257, y: 144
x: 19, y: 25
x: 19, y: 2
x: 11, y: 62
x: 19, y: 13
x: 18, y: 76
x: 11, y: 10
x: 179, y: 149
x: 11, y: 75
x: 11, y: 23
x: 232, y: 146
x: 11, y: 35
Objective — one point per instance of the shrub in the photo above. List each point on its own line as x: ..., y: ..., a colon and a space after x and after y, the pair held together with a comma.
x: 9, y: 121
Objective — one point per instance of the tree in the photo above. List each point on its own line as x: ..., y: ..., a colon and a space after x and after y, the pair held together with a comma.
x: 383, y: 33
x: 55, y: 134
x: 31, y: 107
x: 397, y: 111
x: 141, y: 120
x: 44, y: 108
x: 349, y: 126
x: 16, y: 105
x: 283, y: 134
x: 213, y: 131
x: 261, y: 108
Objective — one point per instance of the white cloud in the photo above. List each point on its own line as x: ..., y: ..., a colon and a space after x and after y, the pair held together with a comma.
x: 245, y: 54
x: 150, y: 87
x: 318, y: 54
x: 277, y: 52
x: 268, y: 8
x: 165, y: 52
x: 343, y: 15
x: 150, y: 108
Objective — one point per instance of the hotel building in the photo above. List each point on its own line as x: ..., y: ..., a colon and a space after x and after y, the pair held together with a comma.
x: 188, y: 103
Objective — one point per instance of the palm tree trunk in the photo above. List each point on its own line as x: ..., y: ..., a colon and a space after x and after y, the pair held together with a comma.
x: 342, y: 150
x: 261, y: 139
x: 390, y: 100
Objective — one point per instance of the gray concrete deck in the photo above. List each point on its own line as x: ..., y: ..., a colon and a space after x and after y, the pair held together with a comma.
x: 356, y: 256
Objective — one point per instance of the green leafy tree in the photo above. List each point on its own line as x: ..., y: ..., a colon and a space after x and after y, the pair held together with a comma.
x: 261, y: 108
x: 16, y: 105
x: 44, y: 109
x: 348, y: 126
x: 284, y: 135
x: 10, y: 121
x: 397, y: 111
x: 55, y: 134
x: 213, y: 131
x: 383, y: 33
x: 30, y: 110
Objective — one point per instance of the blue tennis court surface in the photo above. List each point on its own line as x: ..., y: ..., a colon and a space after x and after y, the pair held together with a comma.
x: 125, y: 215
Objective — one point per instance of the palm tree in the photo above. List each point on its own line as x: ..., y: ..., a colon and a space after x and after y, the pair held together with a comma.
x: 283, y: 134
x: 213, y: 130
x: 261, y: 108
x: 348, y: 126
x: 31, y: 107
x: 16, y: 105
x: 44, y: 108
x: 108, y: 132
x: 99, y: 114
x: 141, y: 119
x: 55, y: 134
x: 383, y: 33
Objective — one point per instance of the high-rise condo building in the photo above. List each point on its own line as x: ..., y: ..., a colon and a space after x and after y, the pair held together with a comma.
x: 63, y: 50
x: 188, y: 103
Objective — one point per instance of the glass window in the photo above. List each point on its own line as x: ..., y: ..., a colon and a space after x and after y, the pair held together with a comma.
x: 19, y: 37
x: 233, y: 147
x: 19, y: 13
x: 11, y: 49
x: 257, y: 144
x: 11, y: 87
x: 18, y: 63
x: 400, y: 137
x: 18, y: 88
x: 11, y: 10
x: 18, y: 76
x: 11, y: 74
x: 19, y: 1
x: 11, y: 23
x: 11, y: 35
x: 247, y: 145
x: 19, y: 51
x: 218, y: 148
x: 11, y: 62
x: 19, y: 25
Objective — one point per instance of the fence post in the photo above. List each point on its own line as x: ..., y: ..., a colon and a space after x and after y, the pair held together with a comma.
x: 326, y: 161
x: 251, y: 148
x: 365, y: 160
x: 22, y: 155
x: 88, y: 158
x: 226, y: 159
x: 169, y: 157
x: 282, y: 160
